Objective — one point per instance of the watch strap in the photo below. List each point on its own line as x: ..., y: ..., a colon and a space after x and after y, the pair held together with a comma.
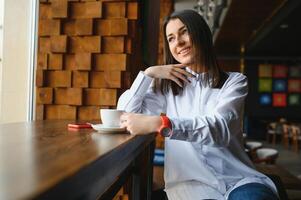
x: 165, y: 123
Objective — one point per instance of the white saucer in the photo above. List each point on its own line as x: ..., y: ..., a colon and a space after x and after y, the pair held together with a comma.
x: 101, y: 127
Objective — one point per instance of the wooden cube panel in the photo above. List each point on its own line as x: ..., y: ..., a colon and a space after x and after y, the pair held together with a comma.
x: 55, y: 61
x: 42, y: 62
x: 40, y: 77
x: 103, y: 27
x: 44, y: 95
x: 95, y: 97
x: 132, y: 29
x: 39, y: 112
x: 132, y: 10
x: 106, y: 62
x: 88, y: 113
x: 84, y: 27
x: 49, y: 27
x: 58, y: 78
x: 58, y: 43
x: 59, y: 8
x: 68, y: 96
x: 109, y: 27
x: 107, y: 79
x: 68, y: 27
x: 128, y: 45
x: 70, y: 33
x: 114, y: 9
x: 60, y: 112
x: 90, y: 44
x: 70, y: 62
x: 83, y: 61
x: 113, y: 45
x: 45, y: 11
x: 86, y: 9
x: 126, y: 80
x: 44, y: 45
x: 119, y: 27
x: 80, y: 79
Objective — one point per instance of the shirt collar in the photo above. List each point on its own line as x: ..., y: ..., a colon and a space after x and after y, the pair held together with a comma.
x: 194, y: 79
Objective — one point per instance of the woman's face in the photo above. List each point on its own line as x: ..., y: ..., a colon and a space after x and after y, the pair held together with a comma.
x: 179, y: 41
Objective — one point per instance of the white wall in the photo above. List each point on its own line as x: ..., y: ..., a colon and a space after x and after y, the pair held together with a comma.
x: 1, y: 44
x: 185, y: 4
x: 14, y: 77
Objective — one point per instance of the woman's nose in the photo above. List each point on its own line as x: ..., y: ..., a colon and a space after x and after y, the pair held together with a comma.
x: 180, y: 41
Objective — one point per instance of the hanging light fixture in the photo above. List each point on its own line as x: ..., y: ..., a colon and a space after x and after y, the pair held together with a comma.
x: 211, y: 11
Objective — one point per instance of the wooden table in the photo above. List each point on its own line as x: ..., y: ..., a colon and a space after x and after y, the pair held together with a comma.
x: 45, y: 160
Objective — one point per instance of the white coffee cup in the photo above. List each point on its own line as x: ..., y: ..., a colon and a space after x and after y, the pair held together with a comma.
x: 110, y: 117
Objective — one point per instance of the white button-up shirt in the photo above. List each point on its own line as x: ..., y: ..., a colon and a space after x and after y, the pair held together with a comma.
x: 204, y: 157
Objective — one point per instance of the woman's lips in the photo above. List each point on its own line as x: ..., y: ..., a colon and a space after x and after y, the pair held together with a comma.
x: 184, y: 51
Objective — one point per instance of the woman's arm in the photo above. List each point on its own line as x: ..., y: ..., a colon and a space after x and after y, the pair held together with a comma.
x: 214, y: 129
x: 141, y: 98
x: 218, y: 127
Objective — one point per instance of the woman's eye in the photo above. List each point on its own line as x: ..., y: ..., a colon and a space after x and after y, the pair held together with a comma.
x: 184, y: 31
x: 170, y: 39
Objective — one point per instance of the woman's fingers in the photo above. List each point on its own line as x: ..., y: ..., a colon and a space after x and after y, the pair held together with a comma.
x: 123, y: 117
x: 176, y: 80
x: 180, y: 76
x: 182, y: 71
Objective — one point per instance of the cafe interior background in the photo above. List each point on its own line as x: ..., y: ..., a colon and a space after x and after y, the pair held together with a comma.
x: 66, y: 59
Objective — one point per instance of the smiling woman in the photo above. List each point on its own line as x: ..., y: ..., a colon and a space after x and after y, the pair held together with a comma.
x: 204, y: 155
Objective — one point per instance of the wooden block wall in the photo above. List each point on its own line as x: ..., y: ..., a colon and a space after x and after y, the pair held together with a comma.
x: 166, y: 8
x: 85, y: 50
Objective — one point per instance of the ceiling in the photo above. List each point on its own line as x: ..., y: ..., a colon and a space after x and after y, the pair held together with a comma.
x: 281, y: 37
x: 256, y: 26
x: 242, y: 20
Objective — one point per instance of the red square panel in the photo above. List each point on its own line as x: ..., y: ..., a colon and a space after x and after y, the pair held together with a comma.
x: 279, y: 99
x: 294, y: 85
x: 280, y: 71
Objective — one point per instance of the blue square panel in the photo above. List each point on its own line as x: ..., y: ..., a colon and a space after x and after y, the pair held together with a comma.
x: 279, y: 85
x: 265, y: 99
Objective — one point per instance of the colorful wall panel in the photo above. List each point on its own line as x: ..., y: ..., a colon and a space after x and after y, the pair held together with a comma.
x: 279, y: 85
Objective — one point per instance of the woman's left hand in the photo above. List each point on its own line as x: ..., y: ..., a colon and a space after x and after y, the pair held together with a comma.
x: 139, y: 124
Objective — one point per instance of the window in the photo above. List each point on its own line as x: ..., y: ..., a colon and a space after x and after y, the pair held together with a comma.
x: 17, y: 59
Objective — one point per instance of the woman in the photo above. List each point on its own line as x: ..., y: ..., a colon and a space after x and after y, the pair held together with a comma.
x: 204, y: 158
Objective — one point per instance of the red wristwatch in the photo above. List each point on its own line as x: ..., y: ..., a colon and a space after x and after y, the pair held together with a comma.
x: 165, y: 128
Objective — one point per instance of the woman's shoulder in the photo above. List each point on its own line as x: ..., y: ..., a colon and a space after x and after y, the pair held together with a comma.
x: 236, y: 76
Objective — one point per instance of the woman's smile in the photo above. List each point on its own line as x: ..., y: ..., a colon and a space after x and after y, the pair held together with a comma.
x: 184, y: 51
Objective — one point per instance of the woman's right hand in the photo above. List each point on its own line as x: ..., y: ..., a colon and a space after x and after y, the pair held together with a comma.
x: 174, y: 72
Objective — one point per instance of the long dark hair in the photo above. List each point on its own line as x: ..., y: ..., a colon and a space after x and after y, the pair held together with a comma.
x: 202, y: 44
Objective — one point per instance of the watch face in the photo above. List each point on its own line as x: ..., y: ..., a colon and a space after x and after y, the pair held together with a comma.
x: 165, y: 132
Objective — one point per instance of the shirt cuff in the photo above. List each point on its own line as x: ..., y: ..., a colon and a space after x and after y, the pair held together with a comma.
x: 141, y: 84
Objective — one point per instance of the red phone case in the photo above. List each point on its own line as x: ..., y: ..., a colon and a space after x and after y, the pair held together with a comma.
x: 79, y: 125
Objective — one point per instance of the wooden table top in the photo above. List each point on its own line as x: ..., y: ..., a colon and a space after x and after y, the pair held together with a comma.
x: 35, y: 156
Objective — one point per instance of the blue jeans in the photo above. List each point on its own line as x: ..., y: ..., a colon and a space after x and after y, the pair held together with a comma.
x: 252, y: 191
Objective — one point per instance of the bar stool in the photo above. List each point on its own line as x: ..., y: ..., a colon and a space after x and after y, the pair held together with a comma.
x: 266, y: 155
x: 271, y: 132
x: 296, y: 135
x: 251, y: 147
x: 287, y: 135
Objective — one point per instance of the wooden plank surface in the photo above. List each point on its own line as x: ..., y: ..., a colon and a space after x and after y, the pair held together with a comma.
x: 45, y: 160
